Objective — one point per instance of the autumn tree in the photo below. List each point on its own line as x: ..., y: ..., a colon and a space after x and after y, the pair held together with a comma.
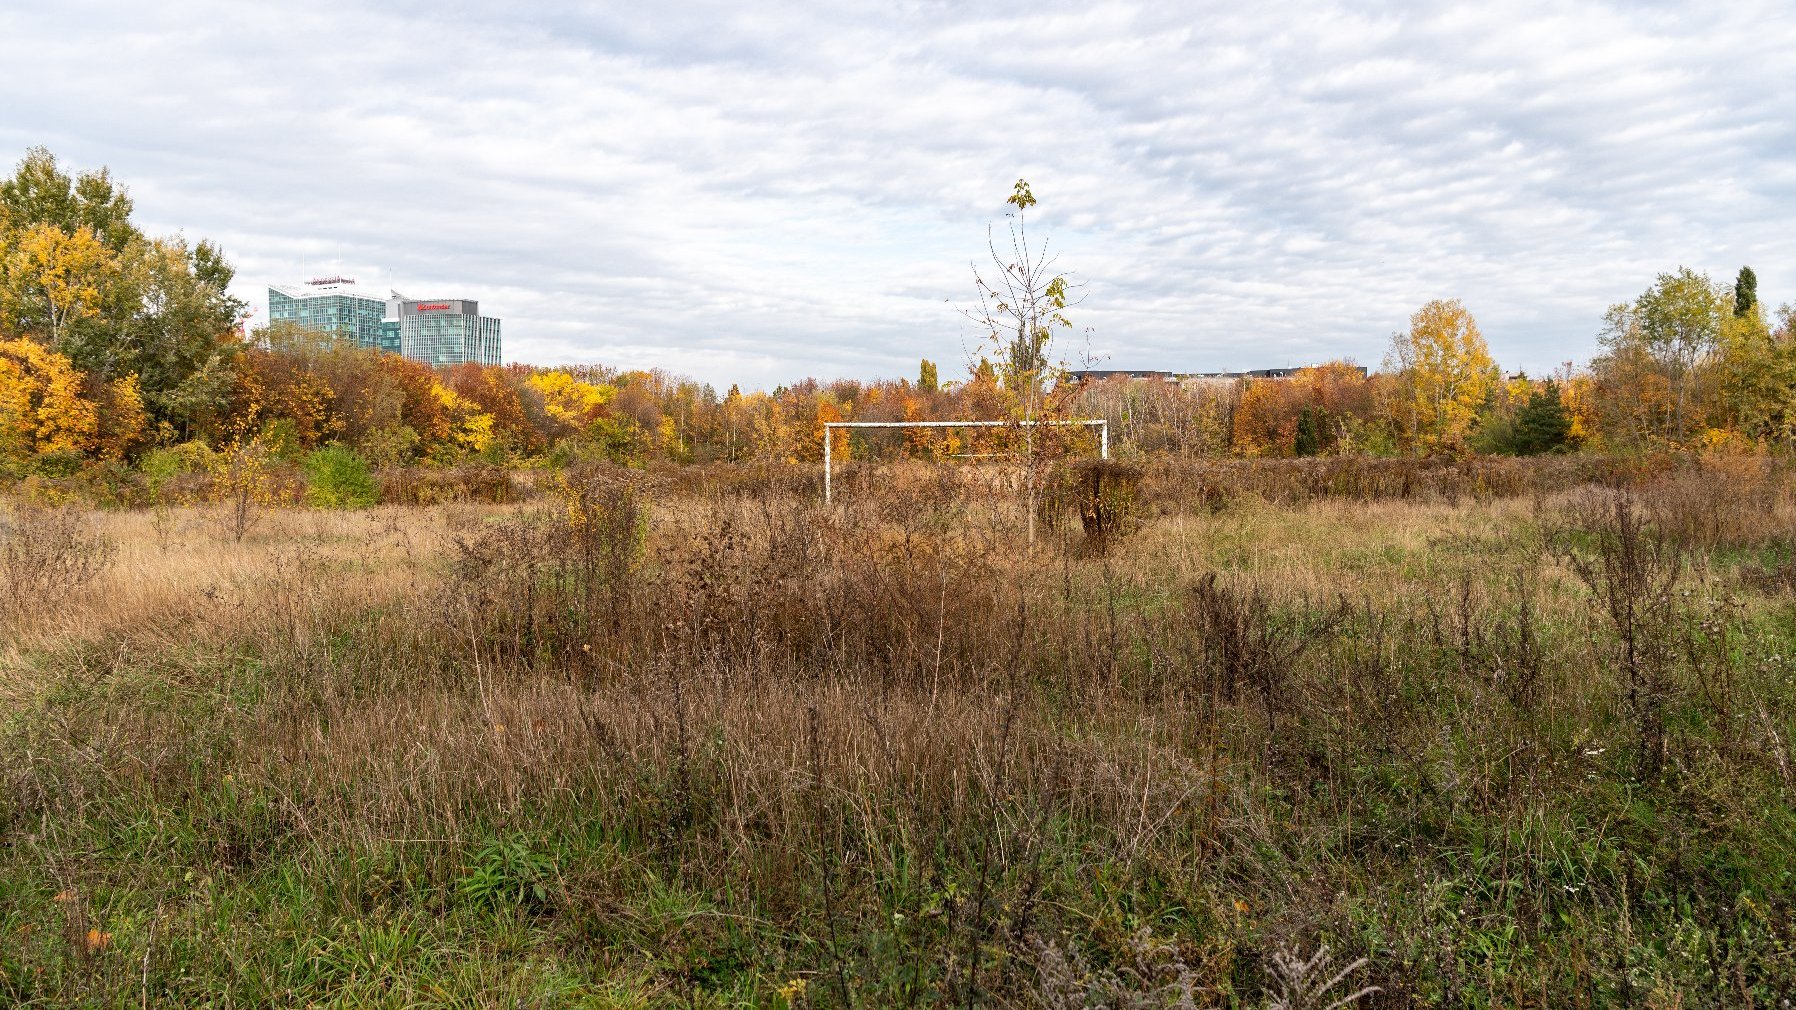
x: 1339, y: 402
x: 51, y: 280
x: 1267, y: 417
x: 1444, y: 376
x: 772, y: 428
x: 736, y: 422
x: 571, y: 404
x: 42, y: 410
x: 1753, y: 375
x: 1659, y: 342
x: 414, y: 404
x: 122, y: 421
x: 77, y: 275
x: 471, y: 430
x: 1311, y: 412
x: 40, y: 192
x: 825, y: 411
x: 500, y: 395
x: 1021, y: 304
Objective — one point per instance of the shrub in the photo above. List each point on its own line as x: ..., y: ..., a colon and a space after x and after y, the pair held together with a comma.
x: 1633, y: 573
x: 392, y: 446
x: 57, y: 464
x: 1722, y: 501
x: 1103, y: 493
x: 163, y: 467
x: 1109, y: 501
x: 607, y: 524
x: 243, y: 482
x: 425, y: 485
x: 338, y: 478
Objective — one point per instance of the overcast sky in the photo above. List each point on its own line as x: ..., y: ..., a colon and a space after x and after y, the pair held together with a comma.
x: 759, y: 192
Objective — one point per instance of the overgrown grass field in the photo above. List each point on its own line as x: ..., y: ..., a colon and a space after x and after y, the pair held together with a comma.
x: 1515, y: 739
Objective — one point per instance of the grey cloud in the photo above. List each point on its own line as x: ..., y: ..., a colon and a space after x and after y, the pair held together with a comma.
x: 756, y: 194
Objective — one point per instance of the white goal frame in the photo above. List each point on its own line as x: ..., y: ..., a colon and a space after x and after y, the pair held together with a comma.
x: 1102, y: 425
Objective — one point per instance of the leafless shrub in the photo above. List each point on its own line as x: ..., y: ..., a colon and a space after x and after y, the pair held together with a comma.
x: 541, y: 584
x: 1245, y: 643
x: 1633, y: 573
x: 1721, y: 501
x: 1103, y: 493
x: 1520, y: 663
x: 607, y: 524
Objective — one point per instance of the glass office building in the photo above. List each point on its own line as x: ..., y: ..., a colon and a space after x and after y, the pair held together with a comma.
x: 442, y: 332
x: 330, y: 305
x: 446, y: 332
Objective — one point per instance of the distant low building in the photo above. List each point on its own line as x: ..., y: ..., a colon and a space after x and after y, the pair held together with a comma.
x: 1102, y: 374
x: 1105, y: 374
x: 444, y: 331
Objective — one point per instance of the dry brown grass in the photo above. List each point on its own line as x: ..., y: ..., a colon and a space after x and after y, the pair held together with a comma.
x: 176, y: 573
x: 822, y: 719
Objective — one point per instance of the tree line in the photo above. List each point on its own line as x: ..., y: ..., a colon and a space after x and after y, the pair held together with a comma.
x: 116, y: 347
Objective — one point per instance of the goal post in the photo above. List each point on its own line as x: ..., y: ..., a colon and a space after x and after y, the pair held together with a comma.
x: 1099, y: 423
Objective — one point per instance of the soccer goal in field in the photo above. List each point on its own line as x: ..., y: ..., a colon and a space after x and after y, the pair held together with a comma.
x: 1099, y: 423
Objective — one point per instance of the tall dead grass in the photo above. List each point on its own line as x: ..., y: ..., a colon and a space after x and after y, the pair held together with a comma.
x: 897, y: 725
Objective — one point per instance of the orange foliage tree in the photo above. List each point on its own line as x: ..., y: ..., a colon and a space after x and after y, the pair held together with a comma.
x: 497, y: 393
x: 41, y: 407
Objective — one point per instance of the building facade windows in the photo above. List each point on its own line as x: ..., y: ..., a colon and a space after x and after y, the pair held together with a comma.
x: 437, y: 332
x: 329, y: 305
x: 446, y: 332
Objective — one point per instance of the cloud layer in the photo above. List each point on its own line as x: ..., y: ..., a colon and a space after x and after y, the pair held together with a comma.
x: 756, y: 195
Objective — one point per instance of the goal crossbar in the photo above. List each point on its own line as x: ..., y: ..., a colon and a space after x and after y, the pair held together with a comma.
x: 1099, y: 423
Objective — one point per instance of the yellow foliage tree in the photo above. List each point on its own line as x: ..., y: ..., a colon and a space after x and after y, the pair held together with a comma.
x: 123, y: 421
x: 41, y: 406
x: 470, y: 428
x: 1445, y: 377
x: 925, y: 443
x: 243, y: 482
x: 772, y: 431
x: 668, y: 439
x: 50, y: 279
x: 570, y: 401
x: 1579, y: 394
